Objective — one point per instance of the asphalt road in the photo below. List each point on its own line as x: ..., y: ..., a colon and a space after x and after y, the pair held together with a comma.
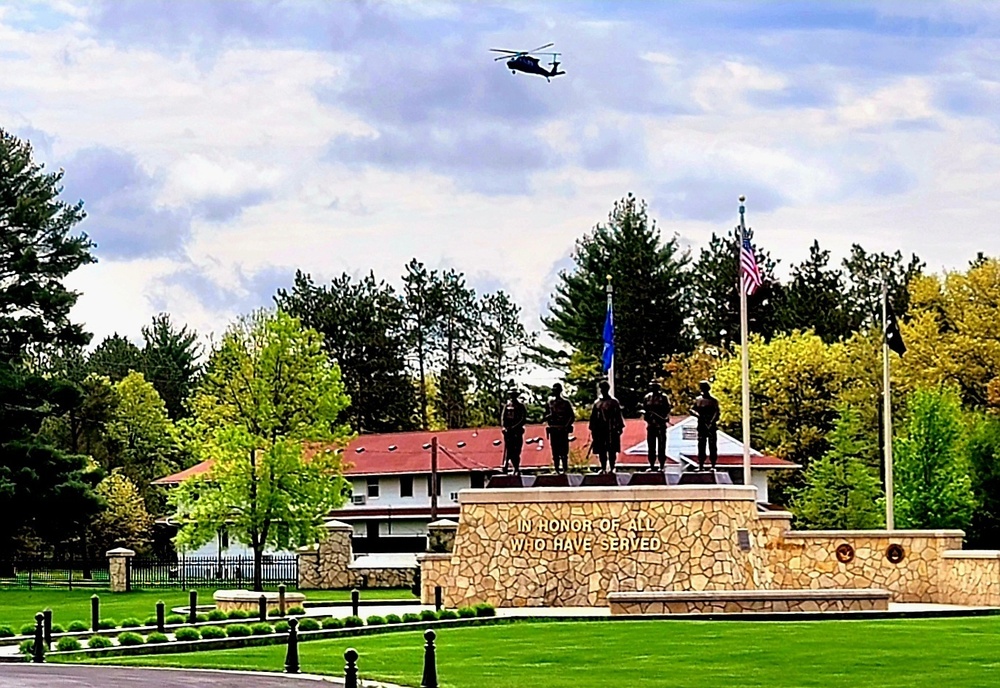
x: 71, y: 676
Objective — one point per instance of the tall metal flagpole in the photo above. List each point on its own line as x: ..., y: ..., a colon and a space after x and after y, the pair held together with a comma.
x: 611, y: 368
x: 887, y: 412
x: 745, y: 348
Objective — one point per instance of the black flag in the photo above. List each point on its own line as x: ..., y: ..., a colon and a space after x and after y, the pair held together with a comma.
x: 892, y: 336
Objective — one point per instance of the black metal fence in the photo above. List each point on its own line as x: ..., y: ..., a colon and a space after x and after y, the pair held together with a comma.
x: 388, y: 544
x: 66, y: 572
x: 186, y: 572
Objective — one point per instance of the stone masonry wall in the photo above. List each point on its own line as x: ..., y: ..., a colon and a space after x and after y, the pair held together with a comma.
x: 808, y: 560
x: 971, y: 577
x: 328, y: 565
x: 570, y: 547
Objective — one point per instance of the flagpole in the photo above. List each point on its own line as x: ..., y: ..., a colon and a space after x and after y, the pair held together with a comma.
x: 611, y: 368
x: 745, y: 357
x: 887, y: 411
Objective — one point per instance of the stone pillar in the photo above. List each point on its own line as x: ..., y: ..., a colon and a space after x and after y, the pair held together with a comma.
x: 324, y: 566
x: 118, y: 563
x: 441, y: 535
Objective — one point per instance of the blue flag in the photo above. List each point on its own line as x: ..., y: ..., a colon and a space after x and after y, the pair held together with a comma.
x: 608, y: 356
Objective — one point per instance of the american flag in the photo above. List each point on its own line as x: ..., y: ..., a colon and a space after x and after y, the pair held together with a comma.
x: 750, y: 278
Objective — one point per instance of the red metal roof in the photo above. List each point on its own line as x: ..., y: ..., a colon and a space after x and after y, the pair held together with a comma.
x: 472, y: 449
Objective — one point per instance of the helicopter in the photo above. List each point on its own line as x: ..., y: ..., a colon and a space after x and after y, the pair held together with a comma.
x: 522, y: 61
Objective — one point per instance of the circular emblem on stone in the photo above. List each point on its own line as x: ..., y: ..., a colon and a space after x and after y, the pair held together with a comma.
x: 845, y: 553
x: 894, y: 553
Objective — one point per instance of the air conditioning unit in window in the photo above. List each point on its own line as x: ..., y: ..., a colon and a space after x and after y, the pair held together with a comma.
x: 357, y: 500
x: 453, y: 496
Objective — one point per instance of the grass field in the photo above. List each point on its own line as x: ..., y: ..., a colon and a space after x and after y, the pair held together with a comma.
x: 905, y: 653
x: 18, y: 607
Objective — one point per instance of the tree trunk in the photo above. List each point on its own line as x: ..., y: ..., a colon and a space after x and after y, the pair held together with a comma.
x: 258, y: 568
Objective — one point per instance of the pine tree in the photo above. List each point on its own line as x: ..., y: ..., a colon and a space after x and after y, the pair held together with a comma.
x: 115, y: 357
x: 651, y: 287
x: 814, y: 298
x: 453, y: 339
x: 44, y: 492
x: 865, y: 273
x: 170, y: 361
x: 421, y: 296
x: 841, y: 491
x: 500, y: 352
x: 715, y: 296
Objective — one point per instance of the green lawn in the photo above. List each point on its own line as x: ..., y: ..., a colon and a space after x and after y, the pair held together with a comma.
x: 904, y: 653
x: 18, y: 607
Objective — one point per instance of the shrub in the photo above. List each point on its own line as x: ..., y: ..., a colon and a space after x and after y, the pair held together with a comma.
x: 107, y: 624
x: 211, y: 632
x: 58, y: 628
x: 28, y: 629
x: 332, y: 622
x: 297, y: 610
x: 375, y: 620
x: 447, y: 614
x: 236, y: 614
x: 97, y: 641
x: 26, y: 647
x: 353, y: 621
x: 217, y: 615
x: 281, y: 627
x: 466, y: 612
x: 201, y: 618
x: 78, y: 626
x: 156, y: 638
x: 411, y: 618
x: 428, y: 615
x: 7, y: 631
x: 392, y: 619
x: 237, y: 631
x: 261, y: 628
x: 68, y: 644
x: 150, y: 621
x: 173, y: 619
x: 483, y: 609
x: 129, y: 638
x: 274, y: 612
x: 131, y: 622
x: 187, y: 633
x: 308, y: 624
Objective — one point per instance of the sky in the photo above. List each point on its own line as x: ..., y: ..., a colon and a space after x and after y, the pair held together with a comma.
x: 220, y: 146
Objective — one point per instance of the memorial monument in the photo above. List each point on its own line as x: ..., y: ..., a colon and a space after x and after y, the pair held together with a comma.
x: 559, y: 417
x: 656, y: 413
x: 512, y: 421
x: 606, y: 426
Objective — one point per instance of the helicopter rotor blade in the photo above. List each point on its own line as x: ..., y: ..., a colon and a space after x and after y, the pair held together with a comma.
x: 507, y: 57
x: 542, y: 47
x: 512, y: 52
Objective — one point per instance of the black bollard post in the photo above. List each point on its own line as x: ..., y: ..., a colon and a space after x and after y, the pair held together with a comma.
x: 47, y: 626
x: 351, y: 668
x: 438, y: 597
x: 262, y: 607
x: 95, y: 612
x: 430, y: 679
x: 281, y: 600
x: 38, y: 647
x: 193, y: 611
x: 161, y: 612
x: 292, y: 655
x: 355, y: 602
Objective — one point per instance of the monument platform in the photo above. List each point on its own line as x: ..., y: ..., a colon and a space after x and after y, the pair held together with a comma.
x: 748, y: 601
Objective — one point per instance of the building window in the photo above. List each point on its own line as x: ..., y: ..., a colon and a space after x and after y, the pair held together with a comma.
x: 372, y: 488
x: 406, y: 486
x: 429, y: 479
x: 478, y: 481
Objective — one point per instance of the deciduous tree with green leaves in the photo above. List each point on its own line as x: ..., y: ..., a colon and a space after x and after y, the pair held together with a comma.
x: 841, y: 491
x: 933, y: 489
x: 266, y: 414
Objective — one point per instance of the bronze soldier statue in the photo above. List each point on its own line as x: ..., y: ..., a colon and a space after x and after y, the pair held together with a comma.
x: 606, y: 427
x: 706, y: 409
x: 512, y: 421
x: 559, y: 415
x: 656, y: 411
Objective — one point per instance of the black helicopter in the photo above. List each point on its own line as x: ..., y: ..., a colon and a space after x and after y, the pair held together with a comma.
x: 522, y: 61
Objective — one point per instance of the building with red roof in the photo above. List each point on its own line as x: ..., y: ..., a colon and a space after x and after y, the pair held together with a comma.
x: 390, y: 473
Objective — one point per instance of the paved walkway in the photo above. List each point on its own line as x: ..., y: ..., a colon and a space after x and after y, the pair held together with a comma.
x: 70, y: 676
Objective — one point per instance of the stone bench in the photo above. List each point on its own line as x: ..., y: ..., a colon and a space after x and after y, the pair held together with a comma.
x: 748, y: 601
x: 247, y: 600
